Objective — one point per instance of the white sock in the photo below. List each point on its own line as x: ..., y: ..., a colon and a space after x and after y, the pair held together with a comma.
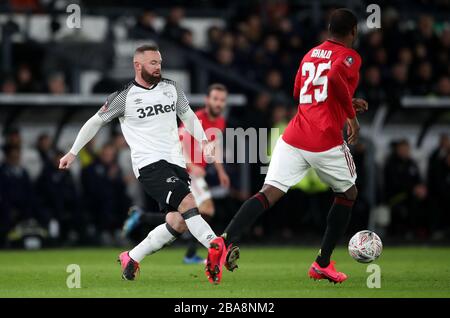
x: 155, y: 240
x: 200, y: 229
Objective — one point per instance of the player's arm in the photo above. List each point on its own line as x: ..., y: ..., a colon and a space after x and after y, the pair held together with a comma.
x: 190, y: 120
x: 338, y: 79
x: 342, y: 77
x: 114, y: 107
x: 86, y: 133
x: 187, y: 147
x: 352, y: 130
x: 218, y: 158
x: 222, y: 174
x: 360, y: 105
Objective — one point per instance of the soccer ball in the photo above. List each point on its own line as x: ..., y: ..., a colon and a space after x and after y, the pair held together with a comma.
x: 365, y: 246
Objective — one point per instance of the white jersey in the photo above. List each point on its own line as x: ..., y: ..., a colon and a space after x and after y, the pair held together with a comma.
x: 148, y: 118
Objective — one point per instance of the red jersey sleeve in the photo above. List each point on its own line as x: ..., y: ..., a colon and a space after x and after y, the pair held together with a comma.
x: 344, y: 76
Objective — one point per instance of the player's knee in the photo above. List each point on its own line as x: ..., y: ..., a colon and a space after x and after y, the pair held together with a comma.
x: 351, y: 194
x: 176, y: 221
x: 187, y: 203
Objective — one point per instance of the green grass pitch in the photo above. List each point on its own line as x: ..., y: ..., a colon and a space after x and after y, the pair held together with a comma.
x: 263, y: 272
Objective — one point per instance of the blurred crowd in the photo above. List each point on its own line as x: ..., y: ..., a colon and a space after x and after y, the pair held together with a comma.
x: 264, y: 46
x: 55, y: 205
x: 90, y: 208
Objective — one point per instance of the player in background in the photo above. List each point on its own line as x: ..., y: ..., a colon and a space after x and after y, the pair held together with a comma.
x: 213, y: 123
x: 324, y: 85
x: 147, y: 109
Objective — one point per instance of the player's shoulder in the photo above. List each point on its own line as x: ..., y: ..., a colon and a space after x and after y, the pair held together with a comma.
x: 121, y: 92
x: 342, y: 52
x: 350, y: 58
x: 353, y: 53
x: 169, y: 82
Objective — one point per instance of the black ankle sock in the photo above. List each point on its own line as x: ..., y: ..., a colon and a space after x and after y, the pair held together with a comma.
x: 337, y: 222
x: 245, y: 217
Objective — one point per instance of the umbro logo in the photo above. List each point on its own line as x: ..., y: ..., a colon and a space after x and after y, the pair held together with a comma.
x: 171, y: 179
x: 138, y: 101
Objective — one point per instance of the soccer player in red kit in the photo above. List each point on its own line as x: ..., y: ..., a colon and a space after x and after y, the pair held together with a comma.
x: 326, y: 80
x: 213, y: 123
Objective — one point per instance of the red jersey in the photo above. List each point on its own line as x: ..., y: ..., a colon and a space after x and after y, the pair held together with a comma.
x: 210, y: 127
x: 324, y: 86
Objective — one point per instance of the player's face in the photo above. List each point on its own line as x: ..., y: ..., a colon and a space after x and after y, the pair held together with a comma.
x: 216, y: 102
x: 149, y: 66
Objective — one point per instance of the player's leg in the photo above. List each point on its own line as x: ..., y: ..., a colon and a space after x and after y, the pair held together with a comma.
x: 158, y: 238
x: 168, y: 185
x: 205, y: 204
x: 198, y: 227
x: 336, y: 168
x: 337, y: 222
x: 282, y: 174
x: 287, y: 167
x: 251, y: 210
x: 201, y: 230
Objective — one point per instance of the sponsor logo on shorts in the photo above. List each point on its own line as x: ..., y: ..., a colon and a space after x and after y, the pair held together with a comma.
x: 172, y: 179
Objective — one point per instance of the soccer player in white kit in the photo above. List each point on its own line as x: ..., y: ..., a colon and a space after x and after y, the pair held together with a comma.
x: 147, y: 109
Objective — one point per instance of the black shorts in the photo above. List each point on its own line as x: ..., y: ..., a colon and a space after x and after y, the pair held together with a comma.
x: 166, y: 183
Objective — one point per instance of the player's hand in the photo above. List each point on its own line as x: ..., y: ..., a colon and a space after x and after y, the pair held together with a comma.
x: 197, y: 171
x: 66, y: 161
x: 352, y: 130
x: 224, y: 179
x: 209, y: 148
x: 360, y: 105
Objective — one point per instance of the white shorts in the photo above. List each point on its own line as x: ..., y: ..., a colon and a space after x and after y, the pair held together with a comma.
x: 289, y: 165
x: 200, y: 190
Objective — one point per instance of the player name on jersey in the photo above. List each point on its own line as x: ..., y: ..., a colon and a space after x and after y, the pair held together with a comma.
x: 322, y: 54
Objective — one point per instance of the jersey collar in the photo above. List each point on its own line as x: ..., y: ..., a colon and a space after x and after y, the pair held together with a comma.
x: 147, y: 88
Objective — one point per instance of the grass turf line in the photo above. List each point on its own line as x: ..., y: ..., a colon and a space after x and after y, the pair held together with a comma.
x: 263, y: 272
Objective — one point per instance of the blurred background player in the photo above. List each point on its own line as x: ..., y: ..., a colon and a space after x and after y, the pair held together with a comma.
x: 213, y: 123
x: 324, y: 86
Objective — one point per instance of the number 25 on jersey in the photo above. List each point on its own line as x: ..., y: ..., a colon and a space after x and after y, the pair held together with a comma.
x: 317, y: 80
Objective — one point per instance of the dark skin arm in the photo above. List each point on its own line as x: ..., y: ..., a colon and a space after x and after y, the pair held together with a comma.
x: 360, y: 105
